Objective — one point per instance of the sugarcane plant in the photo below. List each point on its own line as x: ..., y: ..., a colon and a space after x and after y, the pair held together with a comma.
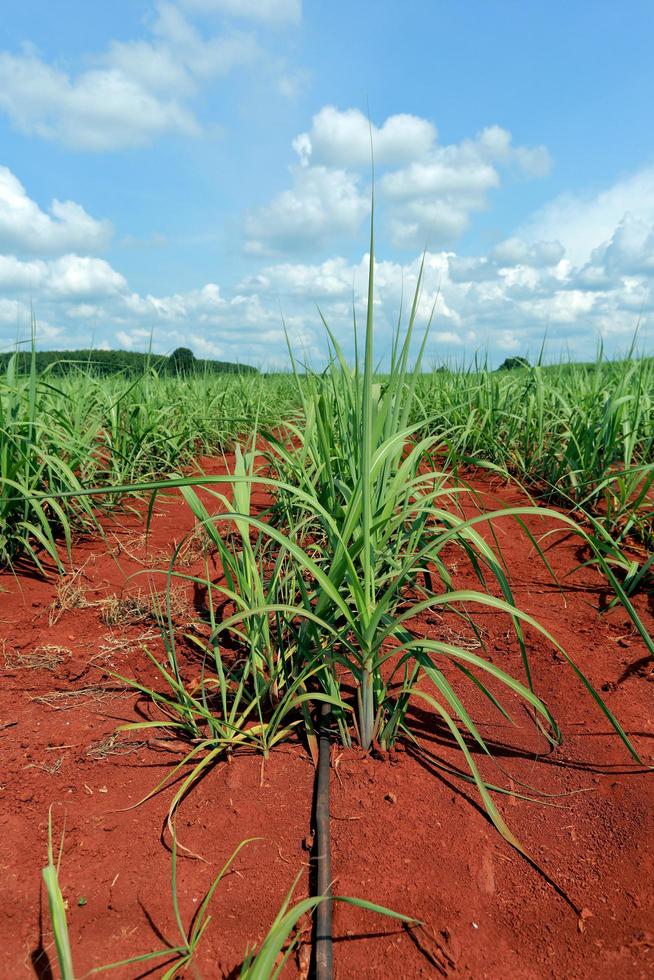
x: 366, y: 523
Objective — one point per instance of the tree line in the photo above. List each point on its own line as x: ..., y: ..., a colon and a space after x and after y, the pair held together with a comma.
x: 182, y: 361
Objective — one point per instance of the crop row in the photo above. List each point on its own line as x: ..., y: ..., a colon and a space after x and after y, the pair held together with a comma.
x: 60, y: 435
x: 322, y: 593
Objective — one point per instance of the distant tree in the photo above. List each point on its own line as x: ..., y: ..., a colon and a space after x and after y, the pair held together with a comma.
x: 182, y: 360
x: 511, y: 363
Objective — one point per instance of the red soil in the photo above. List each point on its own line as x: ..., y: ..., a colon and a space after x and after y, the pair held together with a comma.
x: 405, y: 834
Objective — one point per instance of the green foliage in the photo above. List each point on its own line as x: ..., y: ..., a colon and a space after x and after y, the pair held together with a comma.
x: 582, y: 435
x: 32, y: 458
x: 182, y: 360
x: 325, y: 588
x: 319, y: 596
x: 260, y: 963
x: 512, y: 363
x: 61, y: 433
x: 129, y: 363
x: 57, y: 906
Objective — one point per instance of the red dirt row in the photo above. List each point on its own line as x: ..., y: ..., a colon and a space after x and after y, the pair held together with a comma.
x: 405, y: 833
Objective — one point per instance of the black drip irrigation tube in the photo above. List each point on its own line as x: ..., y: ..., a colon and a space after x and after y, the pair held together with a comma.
x: 323, y: 959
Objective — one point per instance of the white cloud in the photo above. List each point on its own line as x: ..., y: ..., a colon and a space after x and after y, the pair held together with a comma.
x: 442, y: 179
x: 15, y: 314
x: 17, y: 276
x: 342, y: 139
x: 24, y: 227
x: 125, y: 339
x: 495, y: 143
x: 515, y: 251
x: 513, y: 259
x: 98, y: 110
x: 630, y: 250
x: 322, y: 203
x: 479, y: 305
x: 469, y: 269
x: 136, y: 90
x: 82, y: 276
x: 67, y: 277
x: 434, y: 196
x: 11, y: 313
x: 201, y: 57
x: 583, y: 221
x: 268, y: 11
x: 422, y: 221
x: 327, y: 280
x: 509, y: 341
x: 504, y: 301
x: 202, y: 303
x: 84, y: 311
x: 428, y: 190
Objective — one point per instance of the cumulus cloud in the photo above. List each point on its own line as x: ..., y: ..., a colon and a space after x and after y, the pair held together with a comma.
x: 496, y: 144
x: 449, y: 177
x: 503, y: 301
x: 240, y: 328
x: 480, y: 305
x: 24, y: 227
x: 608, y: 239
x: 135, y: 90
x: 327, y: 280
x: 322, y: 203
x: 515, y: 251
x: 11, y: 312
x: 179, y: 56
x: 83, y: 277
x: 513, y: 259
x: 629, y: 251
x: 429, y: 190
x: 582, y: 221
x: 342, y: 139
x: 468, y: 269
x: 204, y: 303
x: 67, y: 277
x: 97, y: 110
x: 17, y: 276
x: 434, y: 196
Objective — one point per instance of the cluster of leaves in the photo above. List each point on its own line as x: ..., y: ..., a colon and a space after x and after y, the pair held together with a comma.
x: 513, y: 364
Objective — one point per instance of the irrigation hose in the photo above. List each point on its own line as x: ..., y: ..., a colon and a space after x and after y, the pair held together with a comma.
x: 323, y: 946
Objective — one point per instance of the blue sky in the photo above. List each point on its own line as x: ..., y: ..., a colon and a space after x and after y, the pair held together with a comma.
x: 192, y: 169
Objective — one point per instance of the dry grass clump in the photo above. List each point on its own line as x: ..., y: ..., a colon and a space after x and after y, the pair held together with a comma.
x: 133, y: 608
x: 197, y: 546
x: 125, y: 610
x: 69, y: 594
x: 64, y: 700
x: 180, y: 607
x: 52, y: 768
x: 114, y: 745
x: 44, y: 657
x: 113, y: 645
